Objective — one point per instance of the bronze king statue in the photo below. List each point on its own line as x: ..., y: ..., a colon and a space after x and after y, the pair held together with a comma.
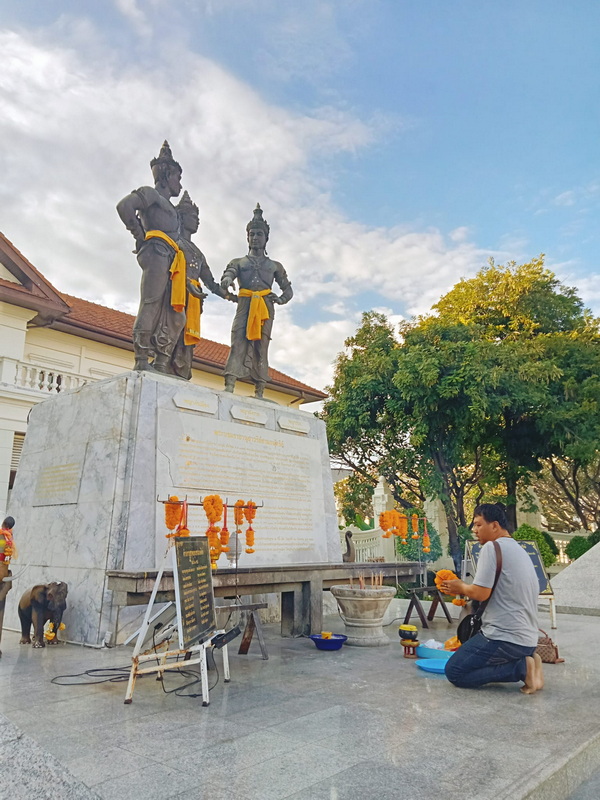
x: 170, y: 295
x: 253, y: 321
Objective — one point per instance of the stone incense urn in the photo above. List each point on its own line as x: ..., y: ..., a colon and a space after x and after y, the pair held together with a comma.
x: 362, y: 611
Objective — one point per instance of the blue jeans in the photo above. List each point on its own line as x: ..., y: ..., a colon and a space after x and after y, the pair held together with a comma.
x: 479, y: 661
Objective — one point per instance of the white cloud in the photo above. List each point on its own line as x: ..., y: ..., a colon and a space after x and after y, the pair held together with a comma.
x: 78, y: 134
x: 132, y: 11
x: 565, y: 199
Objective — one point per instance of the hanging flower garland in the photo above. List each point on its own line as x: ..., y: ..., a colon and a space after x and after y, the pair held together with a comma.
x: 224, y: 533
x: 426, y: 539
x: 415, y: 526
x: 176, y: 515
x: 213, y: 508
x: 403, y: 528
x: 387, y: 523
x: 250, y: 513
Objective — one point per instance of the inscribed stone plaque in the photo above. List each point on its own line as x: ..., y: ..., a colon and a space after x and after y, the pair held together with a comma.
x: 247, y: 414
x: 58, y: 484
x: 194, y: 590
x: 206, y: 403
x: 197, y: 456
x: 296, y: 424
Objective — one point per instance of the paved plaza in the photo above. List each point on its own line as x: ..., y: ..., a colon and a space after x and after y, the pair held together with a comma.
x: 304, y: 725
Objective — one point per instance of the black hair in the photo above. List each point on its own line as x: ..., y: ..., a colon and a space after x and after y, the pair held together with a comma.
x: 492, y: 512
x: 9, y: 523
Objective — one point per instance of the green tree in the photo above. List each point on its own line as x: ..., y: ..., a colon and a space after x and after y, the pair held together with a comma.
x: 527, y: 533
x: 569, y: 493
x: 363, y: 430
x: 470, y: 401
x: 354, y: 499
x: 577, y: 547
x: 544, y: 374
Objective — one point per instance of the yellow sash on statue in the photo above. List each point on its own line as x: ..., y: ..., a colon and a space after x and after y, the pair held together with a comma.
x: 192, y: 319
x: 257, y: 313
x: 178, y: 288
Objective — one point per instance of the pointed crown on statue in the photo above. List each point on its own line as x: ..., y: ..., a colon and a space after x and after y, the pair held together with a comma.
x: 165, y: 159
x: 257, y: 221
x: 186, y: 203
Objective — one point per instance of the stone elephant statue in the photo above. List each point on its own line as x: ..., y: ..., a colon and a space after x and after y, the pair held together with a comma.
x: 41, y: 604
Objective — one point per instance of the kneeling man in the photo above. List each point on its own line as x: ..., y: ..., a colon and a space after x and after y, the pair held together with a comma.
x: 504, y: 650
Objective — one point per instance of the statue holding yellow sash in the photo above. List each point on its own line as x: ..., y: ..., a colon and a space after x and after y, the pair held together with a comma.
x: 166, y: 291
x: 197, y: 274
x: 253, y: 322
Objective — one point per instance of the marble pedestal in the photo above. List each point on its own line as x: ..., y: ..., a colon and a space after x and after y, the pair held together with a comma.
x: 95, y: 461
x: 576, y: 586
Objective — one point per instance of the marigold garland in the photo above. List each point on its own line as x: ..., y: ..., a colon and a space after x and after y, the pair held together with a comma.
x: 224, y: 532
x: 442, y: 576
x: 414, y: 521
x: 238, y: 514
x: 385, y: 523
x: 213, y: 508
x: 250, y: 513
x: 176, y: 515
x: 173, y: 512
x: 50, y: 634
x: 403, y: 527
x: 426, y: 539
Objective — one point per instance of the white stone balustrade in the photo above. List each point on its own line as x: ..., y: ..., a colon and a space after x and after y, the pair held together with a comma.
x: 39, y: 379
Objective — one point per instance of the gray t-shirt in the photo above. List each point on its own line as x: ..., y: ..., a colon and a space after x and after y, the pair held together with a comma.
x: 511, y: 614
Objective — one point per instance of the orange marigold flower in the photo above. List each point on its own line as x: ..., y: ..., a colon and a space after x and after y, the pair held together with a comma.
x: 173, y: 512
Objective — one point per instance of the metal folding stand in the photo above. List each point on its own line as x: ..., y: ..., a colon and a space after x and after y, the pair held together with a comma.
x: 185, y: 656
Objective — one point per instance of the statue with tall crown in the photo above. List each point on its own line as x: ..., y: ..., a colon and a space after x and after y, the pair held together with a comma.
x: 253, y: 321
x: 170, y: 304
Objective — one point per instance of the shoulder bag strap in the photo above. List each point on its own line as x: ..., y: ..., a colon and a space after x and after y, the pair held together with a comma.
x: 482, y: 606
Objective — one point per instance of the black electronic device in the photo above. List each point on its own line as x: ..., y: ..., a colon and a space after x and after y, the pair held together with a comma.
x: 221, y: 639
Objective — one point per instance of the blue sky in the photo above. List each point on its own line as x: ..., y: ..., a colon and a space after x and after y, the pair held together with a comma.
x: 395, y: 146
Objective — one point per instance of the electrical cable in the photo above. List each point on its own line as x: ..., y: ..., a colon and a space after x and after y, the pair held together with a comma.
x: 102, y: 675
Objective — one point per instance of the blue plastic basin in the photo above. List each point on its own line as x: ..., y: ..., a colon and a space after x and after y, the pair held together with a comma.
x: 431, y: 652
x: 334, y: 643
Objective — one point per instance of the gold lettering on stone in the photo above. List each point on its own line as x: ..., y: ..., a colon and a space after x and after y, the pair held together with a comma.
x: 58, y: 484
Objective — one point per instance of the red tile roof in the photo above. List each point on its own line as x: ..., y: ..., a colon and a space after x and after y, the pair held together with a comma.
x: 109, y: 322
x: 7, y: 246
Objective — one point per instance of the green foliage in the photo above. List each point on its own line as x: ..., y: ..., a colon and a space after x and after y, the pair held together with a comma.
x: 474, y: 399
x: 578, y: 546
x: 413, y: 549
x: 464, y: 535
x: 594, y: 537
x: 364, y: 428
x: 551, y: 543
x: 363, y: 523
x: 514, y: 301
x: 354, y: 496
x: 569, y: 492
x: 529, y: 533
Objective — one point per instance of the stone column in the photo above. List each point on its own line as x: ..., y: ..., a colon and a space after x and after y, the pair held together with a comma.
x: 13, y: 331
x: 6, y: 448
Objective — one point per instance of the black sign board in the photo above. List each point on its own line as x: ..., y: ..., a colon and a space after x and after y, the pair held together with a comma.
x: 194, y: 591
x: 474, y: 548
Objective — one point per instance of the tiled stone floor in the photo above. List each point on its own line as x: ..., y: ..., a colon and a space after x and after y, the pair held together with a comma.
x: 308, y: 725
